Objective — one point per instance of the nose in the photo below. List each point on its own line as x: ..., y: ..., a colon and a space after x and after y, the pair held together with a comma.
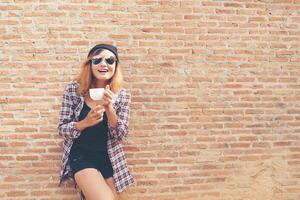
x: 102, y: 63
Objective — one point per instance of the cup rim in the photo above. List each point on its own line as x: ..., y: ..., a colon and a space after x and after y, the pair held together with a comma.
x: 96, y: 88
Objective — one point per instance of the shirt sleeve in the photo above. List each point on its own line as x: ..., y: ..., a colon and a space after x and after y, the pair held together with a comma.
x: 66, y: 126
x: 122, y: 111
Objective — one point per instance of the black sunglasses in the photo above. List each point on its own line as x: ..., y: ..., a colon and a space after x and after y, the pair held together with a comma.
x: 109, y: 60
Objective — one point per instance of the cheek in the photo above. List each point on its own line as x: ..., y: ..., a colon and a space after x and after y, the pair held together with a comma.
x: 93, y: 71
x: 113, y: 70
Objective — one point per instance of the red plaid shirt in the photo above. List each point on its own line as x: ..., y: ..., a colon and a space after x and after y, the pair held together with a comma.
x: 71, y: 107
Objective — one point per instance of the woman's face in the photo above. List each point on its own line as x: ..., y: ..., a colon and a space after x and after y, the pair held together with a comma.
x: 103, y: 65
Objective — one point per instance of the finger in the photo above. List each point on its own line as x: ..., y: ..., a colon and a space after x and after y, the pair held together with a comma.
x: 98, y: 108
x: 104, y: 103
x: 98, y: 113
x: 99, y: 120
x: 92, y: 113
x: 107, y: 96
x: 110, y: 92
x: 107, y: 93
x: 98, y: 116
x: 107, y: 100
x: 99, y: 102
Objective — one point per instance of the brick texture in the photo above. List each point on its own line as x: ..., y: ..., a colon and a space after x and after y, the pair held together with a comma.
x: 215, y: 94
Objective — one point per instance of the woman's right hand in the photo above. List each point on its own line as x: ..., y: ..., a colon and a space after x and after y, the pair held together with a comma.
x: 93, y: 117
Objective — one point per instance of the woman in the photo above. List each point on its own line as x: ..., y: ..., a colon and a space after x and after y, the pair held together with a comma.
x: 93, y: 155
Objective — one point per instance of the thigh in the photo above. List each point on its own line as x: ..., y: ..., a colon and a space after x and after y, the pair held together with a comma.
x: 110, y: 182
x: 93, y: 185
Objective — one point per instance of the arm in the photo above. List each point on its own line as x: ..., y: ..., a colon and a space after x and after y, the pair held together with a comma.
x: 67, y: 125
x: 118, y: 120
x: 111, y: 116
x: 81, y: 125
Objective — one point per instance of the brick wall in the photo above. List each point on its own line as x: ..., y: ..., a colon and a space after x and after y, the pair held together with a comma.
x: 215, y: 94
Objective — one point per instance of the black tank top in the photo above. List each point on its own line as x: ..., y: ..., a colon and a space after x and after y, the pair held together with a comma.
x: 92, y: 139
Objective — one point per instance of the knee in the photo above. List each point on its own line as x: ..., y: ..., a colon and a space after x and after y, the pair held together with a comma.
x: 108, y: 195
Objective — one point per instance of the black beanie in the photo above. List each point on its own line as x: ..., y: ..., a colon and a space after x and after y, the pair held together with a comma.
x: 109, y: 47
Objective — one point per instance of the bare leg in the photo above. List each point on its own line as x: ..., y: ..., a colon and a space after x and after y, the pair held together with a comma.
x: 110, y: 182
x: 93, y: 185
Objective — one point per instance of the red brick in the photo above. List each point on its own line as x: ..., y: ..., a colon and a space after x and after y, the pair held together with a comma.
x: 214, y: 88
x: 20, y: 194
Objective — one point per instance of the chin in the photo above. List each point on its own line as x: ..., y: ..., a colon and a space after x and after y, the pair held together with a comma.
x: 103, y: 78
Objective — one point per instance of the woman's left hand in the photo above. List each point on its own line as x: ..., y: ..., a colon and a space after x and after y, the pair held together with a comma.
x: 108, y: 106
x: 107, y: 97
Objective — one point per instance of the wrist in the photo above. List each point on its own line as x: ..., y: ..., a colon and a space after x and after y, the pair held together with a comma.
x: 108, y: 108
x: 81, y: 125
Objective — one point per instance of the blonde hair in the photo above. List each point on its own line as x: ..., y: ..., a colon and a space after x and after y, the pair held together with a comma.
x: 85, y: 77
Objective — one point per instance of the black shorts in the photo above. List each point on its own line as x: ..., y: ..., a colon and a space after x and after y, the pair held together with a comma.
x: 80, y: 160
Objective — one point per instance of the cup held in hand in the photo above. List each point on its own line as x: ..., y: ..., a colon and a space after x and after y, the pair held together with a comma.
x: 96, y: 93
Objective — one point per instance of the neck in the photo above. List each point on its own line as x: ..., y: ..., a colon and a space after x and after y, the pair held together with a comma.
x: 100, y: 84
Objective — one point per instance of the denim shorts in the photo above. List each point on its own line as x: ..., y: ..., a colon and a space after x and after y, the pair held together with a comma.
x: 80, y: 160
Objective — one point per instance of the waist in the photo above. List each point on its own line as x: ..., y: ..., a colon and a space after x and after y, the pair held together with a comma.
x: 88, y: 152
x: 92, y: 139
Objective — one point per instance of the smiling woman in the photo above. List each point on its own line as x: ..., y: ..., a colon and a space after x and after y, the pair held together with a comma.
x: 93, y: 156
x: 94, y: 60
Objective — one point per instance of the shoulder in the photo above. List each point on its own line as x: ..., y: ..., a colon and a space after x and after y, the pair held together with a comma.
x: 71, y: 88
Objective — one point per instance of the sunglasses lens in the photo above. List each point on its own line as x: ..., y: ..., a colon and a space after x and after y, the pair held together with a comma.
x: 110, y: 61
x: 96, y: 61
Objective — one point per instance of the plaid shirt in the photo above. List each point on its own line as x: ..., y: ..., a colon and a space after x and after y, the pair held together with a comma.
x: 69, y: 115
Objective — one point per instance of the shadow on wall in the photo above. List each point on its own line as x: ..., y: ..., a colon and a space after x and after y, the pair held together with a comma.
x: 260, y: 181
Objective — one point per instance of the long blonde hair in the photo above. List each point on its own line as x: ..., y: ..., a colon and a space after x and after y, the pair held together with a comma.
x: 85, y: 77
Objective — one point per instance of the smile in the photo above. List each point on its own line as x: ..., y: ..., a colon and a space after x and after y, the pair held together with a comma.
x: 103, y: 70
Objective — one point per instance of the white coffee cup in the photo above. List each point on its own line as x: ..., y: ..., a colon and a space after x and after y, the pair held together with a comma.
x: 96, y: 93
